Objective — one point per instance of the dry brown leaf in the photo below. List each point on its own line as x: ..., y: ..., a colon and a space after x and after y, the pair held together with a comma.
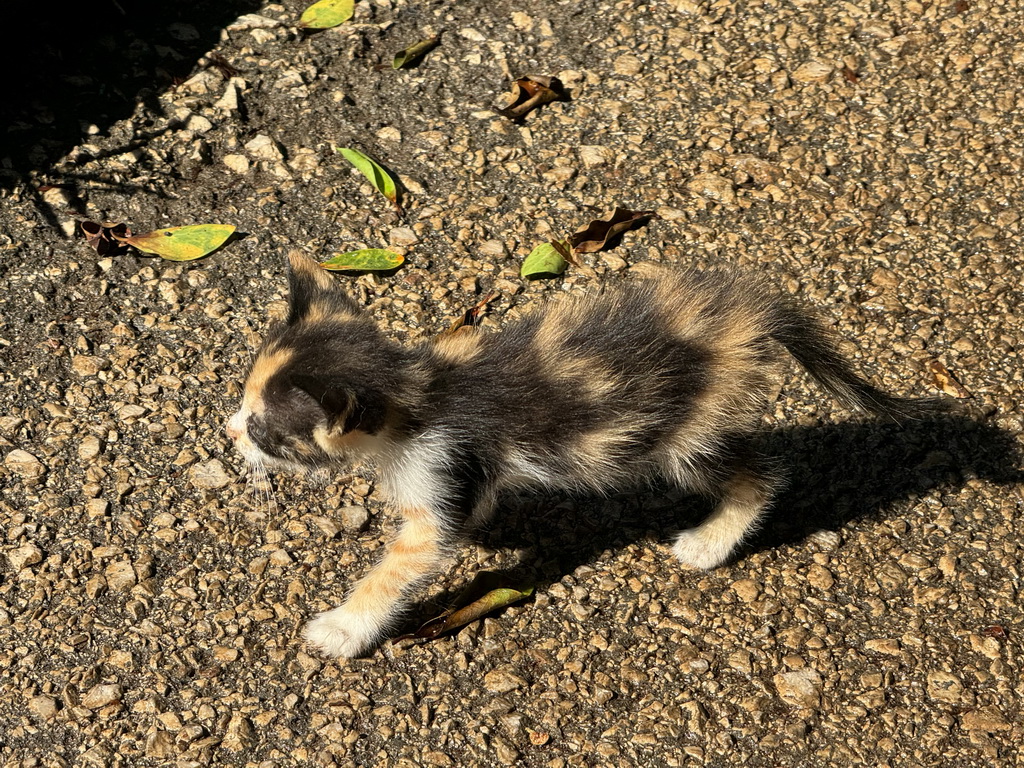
x: 105, y: 239
x: 596, y: 234
x: 471, y: 317
x: 530, y: 92
x: 946, y: 381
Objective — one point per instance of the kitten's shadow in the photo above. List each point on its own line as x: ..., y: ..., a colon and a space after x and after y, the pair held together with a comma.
x: 835, y: 474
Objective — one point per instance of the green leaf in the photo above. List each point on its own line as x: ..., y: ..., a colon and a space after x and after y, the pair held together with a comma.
x: 484, y: 596
x: 545, y: 260
x: 372, y: 171
x: 366, y: 260
x: 415, y: 52
x: 182, y: 243
x: 327, y: 13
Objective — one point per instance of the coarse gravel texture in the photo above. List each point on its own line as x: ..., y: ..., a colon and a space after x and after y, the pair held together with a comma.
x: 867, y: 155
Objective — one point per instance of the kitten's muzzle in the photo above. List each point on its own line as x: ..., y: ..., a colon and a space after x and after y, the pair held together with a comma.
x: 235, y: 428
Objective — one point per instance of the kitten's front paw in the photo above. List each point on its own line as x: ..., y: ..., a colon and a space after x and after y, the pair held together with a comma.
x: 339, y: 633
x: 697, y: 550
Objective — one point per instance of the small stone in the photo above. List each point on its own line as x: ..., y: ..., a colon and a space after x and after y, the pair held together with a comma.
x: 24, y: 556
x: 42, y: 706
x: 888, y: 646
x: 24, y: 464
x: 237, y: 163
x: 712, y: 187
x: 592, y: 155
x: 522, y: 21
x: 502, y: 681
x: 628, y: 64
x: 820, y: 577
x: 160, y: 744
x: 229, y: 101
x: 494, y: 249
x: 264, y: 148
x: 327, y: 525
x: 240, y: 735
x: 90, y: 448
x: 987, y: 719
x: 210, y: 475
x: 120, y: 575
x: 88, y: 365
x: 814, y: 71
x: 505, y: 752
x: 746, y: 590
x: 402, y: 236
x: 198, y: 124
x: 97, y: 507
x: 102, y: 695
x: 943, y: 686
x: 800, y: 688
x: 354, y: 518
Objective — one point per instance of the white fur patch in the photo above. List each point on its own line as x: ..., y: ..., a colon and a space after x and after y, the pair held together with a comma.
x: 342, y: 633
x: 412, y: 472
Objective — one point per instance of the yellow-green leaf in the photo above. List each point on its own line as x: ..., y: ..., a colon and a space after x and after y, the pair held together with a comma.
x: 182, y: 243
x: 327, y: 13
x: 484, y: 596
x: 415, y: 52
x: 545, y: 260
x: 366, y: 260
x: 380, y: 179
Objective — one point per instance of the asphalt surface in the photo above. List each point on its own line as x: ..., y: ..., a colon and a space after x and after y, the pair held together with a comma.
x: 867, y: 157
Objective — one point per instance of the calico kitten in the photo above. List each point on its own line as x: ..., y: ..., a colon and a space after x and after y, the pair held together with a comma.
x: 663, y: 377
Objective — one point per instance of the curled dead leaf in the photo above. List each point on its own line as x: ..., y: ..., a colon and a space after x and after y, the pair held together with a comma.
x: 530, y: 92
x: 105, y: 239
x: 471, y: 317
x: 489, y: 592
x: 598, y: 233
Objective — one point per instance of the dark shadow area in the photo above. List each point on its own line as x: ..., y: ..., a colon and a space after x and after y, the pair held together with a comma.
x: 82, y: 64
x: 835, y: 473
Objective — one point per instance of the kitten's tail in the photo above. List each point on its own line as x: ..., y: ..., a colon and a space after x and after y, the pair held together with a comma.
x: 813, y: 347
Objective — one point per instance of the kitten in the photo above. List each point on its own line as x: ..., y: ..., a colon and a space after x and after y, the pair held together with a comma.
x: 663, y: 377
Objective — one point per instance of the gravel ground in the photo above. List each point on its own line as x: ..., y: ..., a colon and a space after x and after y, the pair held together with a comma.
x: 867, y: 155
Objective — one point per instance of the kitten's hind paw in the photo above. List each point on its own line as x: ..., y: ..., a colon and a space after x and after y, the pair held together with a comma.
x: 340, y: 634
x: 698, y: 550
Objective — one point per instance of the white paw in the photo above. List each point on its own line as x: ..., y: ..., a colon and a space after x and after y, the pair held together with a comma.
x: 694, y: 548
x: 340, y: 633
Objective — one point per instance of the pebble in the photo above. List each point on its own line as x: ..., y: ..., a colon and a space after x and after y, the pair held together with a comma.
x: 354, y: 518
x: 102, y: 695
x: 262, y: 147
x: 503, y: 680
x: 713, y: 187
x: 210, y: 475
x: 240, y: 735
x: 800, y: 688
x: 237, y: 163
x: 24, y: 556
x: 24, y: 464
x: 814, y: 71
x: 593, y: 156
x: 988, y: 719
x: 43, y: 707
x: 120, y: 575
x: 90, y: 448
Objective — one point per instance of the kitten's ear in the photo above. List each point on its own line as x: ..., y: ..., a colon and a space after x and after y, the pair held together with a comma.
x: 338, y: 403
x: 310, y: 286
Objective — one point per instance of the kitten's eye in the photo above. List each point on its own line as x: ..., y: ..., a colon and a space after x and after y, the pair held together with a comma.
x: 258, y: 432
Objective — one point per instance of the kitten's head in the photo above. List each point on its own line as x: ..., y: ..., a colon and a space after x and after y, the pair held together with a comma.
x: 317, y: 392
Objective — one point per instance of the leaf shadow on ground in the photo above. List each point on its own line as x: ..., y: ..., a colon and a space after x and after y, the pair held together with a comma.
x: 835, y: 474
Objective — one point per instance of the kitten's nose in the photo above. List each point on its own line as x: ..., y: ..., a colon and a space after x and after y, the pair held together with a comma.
x: 234, y: 428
